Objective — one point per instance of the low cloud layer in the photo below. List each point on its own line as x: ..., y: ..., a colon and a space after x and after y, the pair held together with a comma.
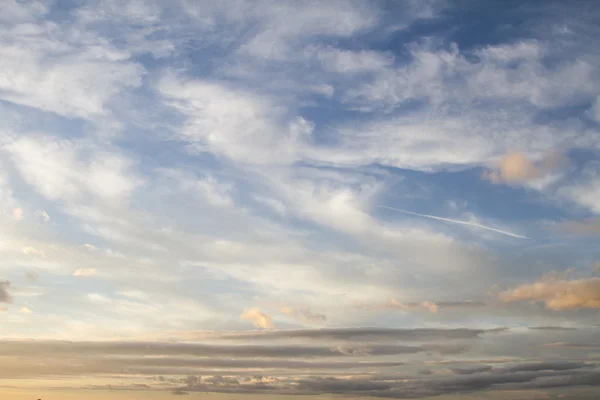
x: 431, y: 362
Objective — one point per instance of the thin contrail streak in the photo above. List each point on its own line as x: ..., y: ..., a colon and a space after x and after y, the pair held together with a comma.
x: 457, y: 222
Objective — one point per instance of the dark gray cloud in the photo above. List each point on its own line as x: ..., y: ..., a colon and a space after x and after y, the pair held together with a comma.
x: 371, y: 367
x: 58, y: 348
x: 403, y: 387
x: 5, y: 297
x: 121, y: 362
x: 551, y: 328
x: 471, y: 369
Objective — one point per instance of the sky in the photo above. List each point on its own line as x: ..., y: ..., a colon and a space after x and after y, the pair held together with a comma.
x: 390, y: 199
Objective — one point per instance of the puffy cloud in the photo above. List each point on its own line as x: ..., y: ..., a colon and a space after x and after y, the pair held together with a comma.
x: 558, y: 293
x: 85, y: 272
x: 5, y: 297
x: 258, y: 318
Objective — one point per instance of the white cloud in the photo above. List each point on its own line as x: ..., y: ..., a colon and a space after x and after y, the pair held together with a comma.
x: 286, y: 25
x: 67, y: 170
x: 237, y: 124
x: 63, y: 70
x: 510, y: 72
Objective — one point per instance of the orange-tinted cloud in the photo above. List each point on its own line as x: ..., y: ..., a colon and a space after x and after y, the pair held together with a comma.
x: 558, y: 293
x: 258, y: 318
x: 517, y: 168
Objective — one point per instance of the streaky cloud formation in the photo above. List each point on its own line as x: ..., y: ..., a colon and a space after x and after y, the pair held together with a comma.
x: 456, y: 222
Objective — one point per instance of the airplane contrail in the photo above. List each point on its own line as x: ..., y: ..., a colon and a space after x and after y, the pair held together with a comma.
x: 454, y: 221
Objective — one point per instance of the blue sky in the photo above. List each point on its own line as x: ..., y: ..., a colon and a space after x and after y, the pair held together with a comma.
x: 169, y: 167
